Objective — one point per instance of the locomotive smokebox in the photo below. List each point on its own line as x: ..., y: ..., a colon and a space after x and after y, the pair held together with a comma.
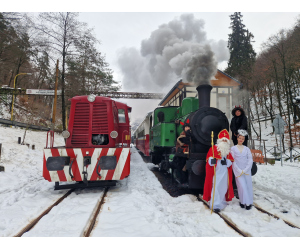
x: 204, y: 95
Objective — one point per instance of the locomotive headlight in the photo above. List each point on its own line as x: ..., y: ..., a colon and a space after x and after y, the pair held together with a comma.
x: 114, y: 134
x: 91, y: 98
x: 65, y: 134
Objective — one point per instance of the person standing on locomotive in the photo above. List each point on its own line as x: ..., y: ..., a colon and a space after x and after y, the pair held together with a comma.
x: 242, y: 170
x: 184, y: 138
x: 218, y: 189
x: 238, y: 121
x: 182, y: 147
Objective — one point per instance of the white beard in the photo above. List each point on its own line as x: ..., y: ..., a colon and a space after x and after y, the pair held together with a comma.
x: 223, y: 147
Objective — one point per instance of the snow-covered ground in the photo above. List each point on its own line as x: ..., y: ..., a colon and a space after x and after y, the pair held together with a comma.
x: 138, y: 206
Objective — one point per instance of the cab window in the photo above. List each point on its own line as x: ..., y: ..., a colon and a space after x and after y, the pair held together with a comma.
x: 121, y: 114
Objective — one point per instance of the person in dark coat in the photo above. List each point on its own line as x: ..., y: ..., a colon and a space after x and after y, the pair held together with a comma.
x: 238, y: 121
x: 182, y: 147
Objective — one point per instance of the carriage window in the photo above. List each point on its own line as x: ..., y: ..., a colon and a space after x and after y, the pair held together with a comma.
x: 121, y: 113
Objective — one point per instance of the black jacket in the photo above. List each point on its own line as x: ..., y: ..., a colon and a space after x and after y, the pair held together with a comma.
x: 238, y: 122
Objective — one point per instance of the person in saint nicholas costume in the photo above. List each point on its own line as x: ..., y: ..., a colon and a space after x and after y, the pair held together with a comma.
x: 242, y: 170
x: 219, y: 163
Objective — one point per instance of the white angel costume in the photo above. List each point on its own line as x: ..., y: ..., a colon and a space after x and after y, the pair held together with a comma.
x: 242, y: 170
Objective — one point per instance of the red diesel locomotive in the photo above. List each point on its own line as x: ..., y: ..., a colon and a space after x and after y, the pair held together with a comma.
x: 97, y: 151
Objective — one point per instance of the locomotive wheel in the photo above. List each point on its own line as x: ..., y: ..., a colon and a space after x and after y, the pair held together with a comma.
x: 160, y: 167
x: 154, y: 158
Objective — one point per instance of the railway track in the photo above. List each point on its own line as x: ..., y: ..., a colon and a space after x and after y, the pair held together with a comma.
x: 172, y: 189
x: 226, y: 219
x: 92, y: 222
x: 87, y: 229
x: 230, y: 223
x: 165, y: 180
x: 274, y: 216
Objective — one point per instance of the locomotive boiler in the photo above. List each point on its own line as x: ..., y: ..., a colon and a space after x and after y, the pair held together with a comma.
x: 203, y: 119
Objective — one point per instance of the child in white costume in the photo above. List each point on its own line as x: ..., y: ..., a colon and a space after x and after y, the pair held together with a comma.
x: 242, y: 170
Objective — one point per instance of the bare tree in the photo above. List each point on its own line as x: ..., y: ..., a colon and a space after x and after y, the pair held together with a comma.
x: 63, y: 37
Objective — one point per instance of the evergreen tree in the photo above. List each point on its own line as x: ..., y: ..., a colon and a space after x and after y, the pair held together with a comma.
x: 242, y: 59
x: 242, y: 55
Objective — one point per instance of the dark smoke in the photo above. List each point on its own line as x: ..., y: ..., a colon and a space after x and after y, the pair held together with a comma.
x: 177, y: 50
x: 201, y: 67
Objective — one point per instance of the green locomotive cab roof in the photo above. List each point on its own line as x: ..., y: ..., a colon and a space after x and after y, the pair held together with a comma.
x: 165, y: 114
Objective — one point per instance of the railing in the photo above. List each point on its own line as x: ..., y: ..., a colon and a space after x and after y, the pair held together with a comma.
x: 23, y: 125
x: 291, y: 154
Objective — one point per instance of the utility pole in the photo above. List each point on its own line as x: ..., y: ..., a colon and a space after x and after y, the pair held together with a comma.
x: 55, y: 98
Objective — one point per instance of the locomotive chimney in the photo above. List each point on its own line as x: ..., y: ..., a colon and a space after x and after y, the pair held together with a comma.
x: 204, y: 95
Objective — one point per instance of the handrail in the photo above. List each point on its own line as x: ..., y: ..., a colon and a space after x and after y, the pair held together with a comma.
x: 51, y: 132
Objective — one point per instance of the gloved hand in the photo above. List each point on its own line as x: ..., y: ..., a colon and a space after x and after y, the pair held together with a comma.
x: 213, y: 161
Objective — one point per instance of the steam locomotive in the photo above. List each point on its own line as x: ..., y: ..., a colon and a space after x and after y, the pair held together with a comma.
x: 97, y: 151
x: 164, y: 128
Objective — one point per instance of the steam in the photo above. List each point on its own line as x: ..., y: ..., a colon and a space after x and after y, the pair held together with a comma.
x: 201, y: 66
x: 177, y: 50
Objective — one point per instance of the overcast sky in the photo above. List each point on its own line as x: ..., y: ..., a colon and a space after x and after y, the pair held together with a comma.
x: 121, y: 26
x: 119, y: 31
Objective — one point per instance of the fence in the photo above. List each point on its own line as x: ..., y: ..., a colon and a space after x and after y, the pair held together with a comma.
x: 291, y: 154
x: 23, y: 125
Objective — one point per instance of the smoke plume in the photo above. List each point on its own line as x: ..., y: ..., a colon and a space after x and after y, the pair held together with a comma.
x: 174, y: 51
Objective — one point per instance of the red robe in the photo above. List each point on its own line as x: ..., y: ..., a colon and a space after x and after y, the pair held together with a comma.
x: 208, y: 184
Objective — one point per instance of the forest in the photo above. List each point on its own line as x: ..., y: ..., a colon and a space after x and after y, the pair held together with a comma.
x: 33, y: 45
x: 270, y: 79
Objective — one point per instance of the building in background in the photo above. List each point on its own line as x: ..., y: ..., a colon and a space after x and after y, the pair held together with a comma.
x: 223, y: 95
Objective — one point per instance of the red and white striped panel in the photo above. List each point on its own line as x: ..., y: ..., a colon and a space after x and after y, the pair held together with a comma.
x: 121, y: 171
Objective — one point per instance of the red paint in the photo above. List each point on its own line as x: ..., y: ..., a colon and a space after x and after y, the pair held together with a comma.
x: 110, y: 173
x: 143, y: 145
x: 126, y: 170
x: 75, y: 168
x: 46, y: 173
x: 93, y: 118
x: 95, y: 176
x: 61, y: 173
